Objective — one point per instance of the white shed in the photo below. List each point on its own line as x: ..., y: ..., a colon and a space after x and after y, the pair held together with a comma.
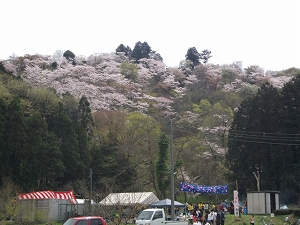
x: 262, y: 202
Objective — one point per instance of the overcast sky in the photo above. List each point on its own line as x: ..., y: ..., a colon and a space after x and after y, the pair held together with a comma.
x: 256, y: 32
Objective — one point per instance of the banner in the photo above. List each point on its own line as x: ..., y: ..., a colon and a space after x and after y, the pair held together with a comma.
x: 219, y: 189
x: 236, y: 203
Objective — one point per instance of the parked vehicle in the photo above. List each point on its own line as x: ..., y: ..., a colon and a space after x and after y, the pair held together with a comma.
x: 85, y: 220
x: 156, y: 217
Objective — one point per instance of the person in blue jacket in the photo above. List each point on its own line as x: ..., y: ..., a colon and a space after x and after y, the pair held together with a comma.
x: 222, y: 217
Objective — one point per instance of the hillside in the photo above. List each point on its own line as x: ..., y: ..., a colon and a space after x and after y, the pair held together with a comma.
x: 132, y: 104
x: 112, y: 82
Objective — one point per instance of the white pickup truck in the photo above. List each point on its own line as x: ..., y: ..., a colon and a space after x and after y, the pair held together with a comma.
x: 156, y: 217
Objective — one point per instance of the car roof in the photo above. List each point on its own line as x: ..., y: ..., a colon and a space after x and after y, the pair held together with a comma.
x: 86, y: 217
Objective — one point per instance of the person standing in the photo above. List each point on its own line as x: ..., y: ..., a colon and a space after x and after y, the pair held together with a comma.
x: 190, y: 208
x: 206, y: 208
x: 252, y: 220
x: 214, y: 217
x: 231, y: 208
x: 222, y: 217
x: 199, y: 215
x: 210, y: 217
x: 206, y: 218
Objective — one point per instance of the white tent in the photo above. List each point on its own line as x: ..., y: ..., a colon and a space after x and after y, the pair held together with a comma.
x: 51, y: 205
x: 130, y: 198
x: 166, y: 202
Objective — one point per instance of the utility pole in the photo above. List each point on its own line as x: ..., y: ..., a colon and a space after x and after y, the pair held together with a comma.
x: 91, y: 185
x: 172, y: 173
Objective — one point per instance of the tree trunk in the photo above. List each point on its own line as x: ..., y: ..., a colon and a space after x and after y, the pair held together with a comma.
x: 257, y: 177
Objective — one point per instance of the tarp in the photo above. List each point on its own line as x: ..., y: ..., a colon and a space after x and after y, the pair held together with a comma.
x: 165, y: 203
x: 61, y: 195
x: 218, y: 189
x: 144, y: 198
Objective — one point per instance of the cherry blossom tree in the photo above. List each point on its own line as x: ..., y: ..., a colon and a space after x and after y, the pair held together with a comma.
x: 57, y: 56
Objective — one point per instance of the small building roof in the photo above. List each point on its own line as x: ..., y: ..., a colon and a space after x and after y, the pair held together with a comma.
x: 129, y: 198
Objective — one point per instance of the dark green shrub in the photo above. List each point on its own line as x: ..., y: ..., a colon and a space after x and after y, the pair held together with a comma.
x: 296, y: 212
x: 283, y: 211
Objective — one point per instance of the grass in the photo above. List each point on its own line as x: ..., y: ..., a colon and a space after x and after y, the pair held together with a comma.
x: 244, y: 219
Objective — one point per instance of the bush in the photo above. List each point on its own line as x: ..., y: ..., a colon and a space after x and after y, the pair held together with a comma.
x: 296, y: 212
x: 283, y: 211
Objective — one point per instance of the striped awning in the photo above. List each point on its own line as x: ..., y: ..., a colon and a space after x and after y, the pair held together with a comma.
x: 59, y: 195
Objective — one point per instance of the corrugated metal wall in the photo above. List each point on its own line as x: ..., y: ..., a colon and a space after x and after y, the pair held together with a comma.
x: 264, y: 202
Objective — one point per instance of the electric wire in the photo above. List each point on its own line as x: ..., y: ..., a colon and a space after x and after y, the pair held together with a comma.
x: 265, y: 138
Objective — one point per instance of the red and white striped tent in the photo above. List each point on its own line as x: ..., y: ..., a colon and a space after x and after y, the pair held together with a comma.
x: 58, y: 195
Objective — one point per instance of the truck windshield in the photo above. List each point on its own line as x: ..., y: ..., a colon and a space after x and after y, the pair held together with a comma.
x: 145, y: 215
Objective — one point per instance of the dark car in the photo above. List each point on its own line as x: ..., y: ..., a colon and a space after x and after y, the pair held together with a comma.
x: 85, y: 220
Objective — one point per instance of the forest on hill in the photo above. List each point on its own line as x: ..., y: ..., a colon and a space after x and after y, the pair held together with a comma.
x: 62, y: 116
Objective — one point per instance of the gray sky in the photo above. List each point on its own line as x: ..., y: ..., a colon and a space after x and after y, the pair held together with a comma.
x: 256, y: 32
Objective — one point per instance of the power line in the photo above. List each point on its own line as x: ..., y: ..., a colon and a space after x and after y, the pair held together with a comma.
x: 266, y: 142
x: 265, y: 138
x: 264, y: 133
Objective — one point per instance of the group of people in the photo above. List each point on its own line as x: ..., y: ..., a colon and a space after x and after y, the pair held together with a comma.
x: 206, y: 215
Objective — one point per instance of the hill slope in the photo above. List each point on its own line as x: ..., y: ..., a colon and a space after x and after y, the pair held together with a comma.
x: 111, y: 81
